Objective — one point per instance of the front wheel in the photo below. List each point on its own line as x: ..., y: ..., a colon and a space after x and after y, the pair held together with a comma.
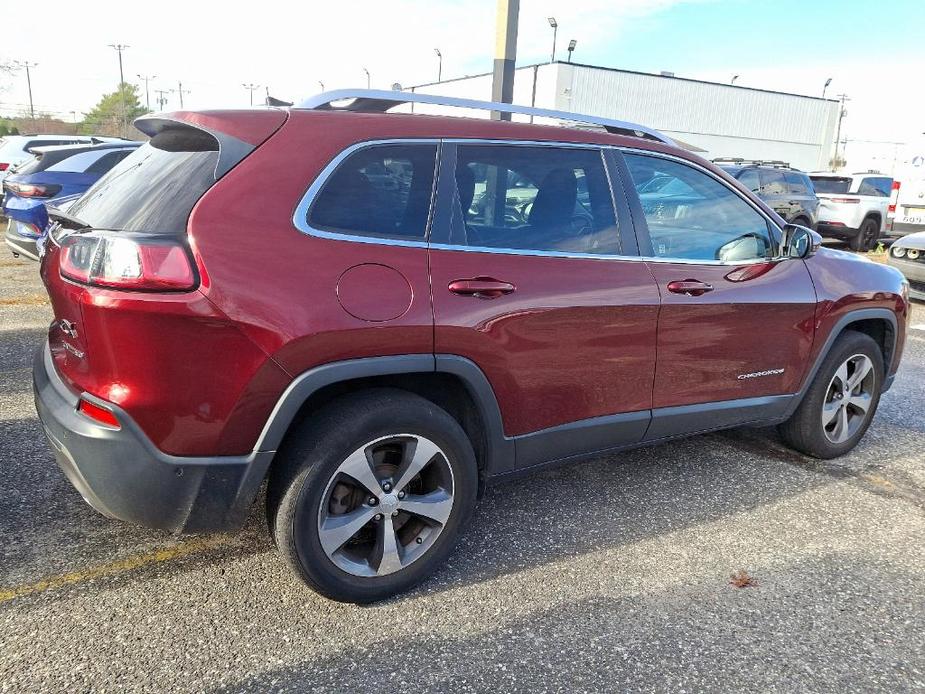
x: 371, y: 494
x: 841, y: 401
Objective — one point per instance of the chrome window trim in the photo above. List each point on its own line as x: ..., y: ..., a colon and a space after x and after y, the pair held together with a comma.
x: 699, y: 167
x: 300, y: 216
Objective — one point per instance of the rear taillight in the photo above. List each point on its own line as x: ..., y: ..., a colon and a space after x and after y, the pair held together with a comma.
x: 30, y: 190
x: 894, y: 196
x: 848, y: 200
x: 120, y: 261
x: 4, y: 166
x: 98, y: 414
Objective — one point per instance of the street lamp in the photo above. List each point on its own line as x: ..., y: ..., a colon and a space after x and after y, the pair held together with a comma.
x: 251, y: 87
x: 555, y: 28
x: 368, y: 79
x: 439, y: 64
x: 571, y: 47
x: 733, y: 80
x: 826, y: 86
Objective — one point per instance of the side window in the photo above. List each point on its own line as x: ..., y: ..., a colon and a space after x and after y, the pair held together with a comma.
x: 749, y: 179
x: 772, y: 182
x: 696, y: 217
x: 534, y: 198
x: 796, y: 183
x: 877, y: 186
x: 379, y: 191
x: 107, y: 161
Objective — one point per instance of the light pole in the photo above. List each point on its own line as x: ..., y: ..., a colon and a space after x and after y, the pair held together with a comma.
x: 368, y: 79
x: 841, y: 115
x: 571, y: 47
x: 251, y: 87
x: 439, y: 64
x: 733, y: 80
x: 555, y: 29
x: 119, y: 47
x: 28, y: 66
x: 502, y: 81
x: 826, y: 86
x: 321, y: 84
x: 147, y: 94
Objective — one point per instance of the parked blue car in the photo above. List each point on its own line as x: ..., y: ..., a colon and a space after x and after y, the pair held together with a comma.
x: 56, y: 175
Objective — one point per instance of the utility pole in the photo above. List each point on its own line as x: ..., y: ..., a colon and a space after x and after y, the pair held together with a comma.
x: 161, y: 99
x: 841, y: 114
x: 251, y: 87
x: 181, y: 91
x: 119, y: 47
x: 502, y: 84
x: 439, y: 64
x: 147, y: 94
x: 27, y: 65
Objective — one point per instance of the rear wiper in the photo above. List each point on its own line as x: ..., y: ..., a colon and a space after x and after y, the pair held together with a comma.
x: 66, y: 220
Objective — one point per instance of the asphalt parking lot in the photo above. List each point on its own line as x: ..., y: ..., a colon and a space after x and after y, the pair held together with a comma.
x: 612, y: 575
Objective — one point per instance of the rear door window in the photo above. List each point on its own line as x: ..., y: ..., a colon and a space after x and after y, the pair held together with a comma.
x: 535, y: 199
x: 155, y: 188
x: 379, y: 191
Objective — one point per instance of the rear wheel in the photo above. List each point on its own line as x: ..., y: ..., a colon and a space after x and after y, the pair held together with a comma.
x: 866, y: 238
x: 841, y: 401
x: 371, y: 493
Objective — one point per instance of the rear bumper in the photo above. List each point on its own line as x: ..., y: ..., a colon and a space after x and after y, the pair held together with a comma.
x: 836, y: 232
x: 122, y: 475
x: 900, y: 229
x: 21, y: 245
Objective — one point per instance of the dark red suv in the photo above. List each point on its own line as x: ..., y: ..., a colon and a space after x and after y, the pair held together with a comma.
x: 378, y: 313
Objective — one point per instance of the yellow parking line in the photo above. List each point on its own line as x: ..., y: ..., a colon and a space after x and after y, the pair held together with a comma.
x: 120, y: 566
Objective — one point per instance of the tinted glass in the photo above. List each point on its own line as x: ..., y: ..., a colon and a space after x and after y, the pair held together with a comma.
x: 796, y: 183
x: 772, y: 182
x: 709, y: 222
x: 534, y: 198
x: 876, y: 185
x: 107, y: 161
x: 381, y: 191
x: 153, y: 189
x: 749, y: 179
x: 826, y: 184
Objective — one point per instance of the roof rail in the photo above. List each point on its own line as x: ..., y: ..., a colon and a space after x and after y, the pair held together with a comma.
x: 380, y: 101
x: 739, y: 161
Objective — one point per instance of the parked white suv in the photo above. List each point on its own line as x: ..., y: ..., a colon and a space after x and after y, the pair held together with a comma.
x: 853, y: 207
x: 14, y: 149
x: 908, y: 216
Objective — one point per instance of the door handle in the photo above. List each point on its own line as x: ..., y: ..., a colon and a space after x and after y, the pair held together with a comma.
x: 689, y: 287
x: 481, y: 287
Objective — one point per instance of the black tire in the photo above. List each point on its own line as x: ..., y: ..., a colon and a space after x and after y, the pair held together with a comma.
x: 866, y: 238
x: 804, y: 431
x: 803, y: 222
x: 310, y: 458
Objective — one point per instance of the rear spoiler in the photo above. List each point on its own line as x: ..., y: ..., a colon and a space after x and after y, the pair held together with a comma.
x: 238, y: 133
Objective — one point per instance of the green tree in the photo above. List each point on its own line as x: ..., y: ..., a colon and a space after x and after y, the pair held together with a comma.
x: 114, y: 109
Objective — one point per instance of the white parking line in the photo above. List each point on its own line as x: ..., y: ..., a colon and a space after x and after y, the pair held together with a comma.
x: 918, y: 326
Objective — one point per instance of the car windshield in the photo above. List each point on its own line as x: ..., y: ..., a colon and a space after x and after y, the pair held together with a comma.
x: 831, y: 184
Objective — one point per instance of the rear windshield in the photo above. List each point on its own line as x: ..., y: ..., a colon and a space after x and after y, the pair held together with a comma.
x: 155, y: 188
x: 826, y: 184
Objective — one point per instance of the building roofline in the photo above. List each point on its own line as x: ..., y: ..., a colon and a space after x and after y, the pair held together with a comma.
x: 630, y: 72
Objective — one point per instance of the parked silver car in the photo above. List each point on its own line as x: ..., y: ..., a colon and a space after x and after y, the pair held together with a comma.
x: 908, y: 256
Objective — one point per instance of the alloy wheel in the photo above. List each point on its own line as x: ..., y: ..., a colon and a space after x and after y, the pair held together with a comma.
x: 386, y: 505
x: 848, y: 398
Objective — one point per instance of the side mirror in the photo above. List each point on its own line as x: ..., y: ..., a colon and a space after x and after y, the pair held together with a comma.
x: 799, y: 242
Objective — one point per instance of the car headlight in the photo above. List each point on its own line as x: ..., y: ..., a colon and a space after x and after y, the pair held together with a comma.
x: 912, y: 253
x: 899, y: 251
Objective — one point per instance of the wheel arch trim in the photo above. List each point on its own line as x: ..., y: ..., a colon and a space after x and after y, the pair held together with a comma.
x: 842, y: 324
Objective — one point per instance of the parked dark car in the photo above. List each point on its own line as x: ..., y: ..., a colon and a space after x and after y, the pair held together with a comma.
x: 239, y: 302
x: 54, y: 174
x: 787, y: 191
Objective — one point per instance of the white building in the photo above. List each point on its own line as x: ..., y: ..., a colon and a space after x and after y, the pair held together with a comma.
x: 721, y: 119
